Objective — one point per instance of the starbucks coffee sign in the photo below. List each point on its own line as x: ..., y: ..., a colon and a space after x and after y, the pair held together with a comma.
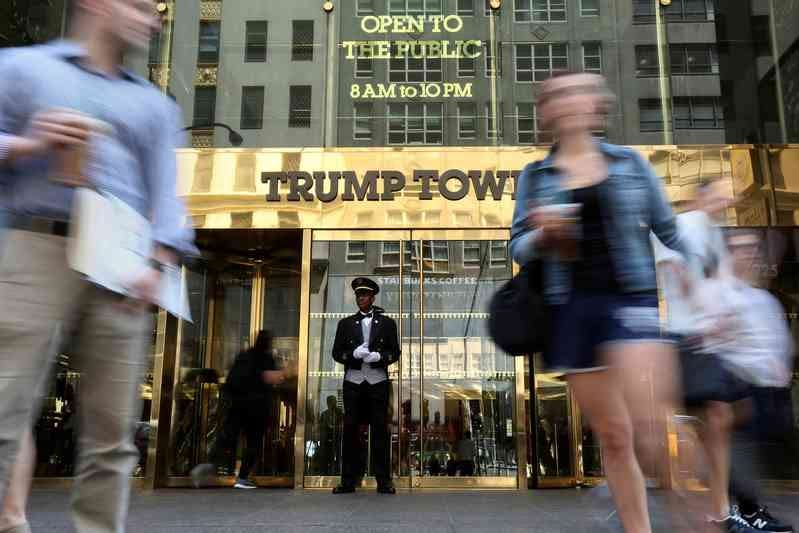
x: 444, y: 48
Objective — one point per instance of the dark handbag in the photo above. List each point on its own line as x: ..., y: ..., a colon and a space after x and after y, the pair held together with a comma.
x: 518, y: 318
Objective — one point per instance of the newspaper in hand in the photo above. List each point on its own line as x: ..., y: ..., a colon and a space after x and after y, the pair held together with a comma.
x: 110, y: 243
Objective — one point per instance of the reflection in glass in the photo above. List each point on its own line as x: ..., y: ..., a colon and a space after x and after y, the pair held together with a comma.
x: 553, y: 431
x: 334, y: 266
x: 467, y: 407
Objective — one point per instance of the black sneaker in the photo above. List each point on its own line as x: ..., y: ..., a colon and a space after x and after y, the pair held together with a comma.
x: 734, y: 524
x: 244, y: 484
x: 763, y: 520
x: 344, y: 489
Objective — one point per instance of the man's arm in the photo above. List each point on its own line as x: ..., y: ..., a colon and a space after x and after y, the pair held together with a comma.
x: 341, y: 353
x: 171, y: 236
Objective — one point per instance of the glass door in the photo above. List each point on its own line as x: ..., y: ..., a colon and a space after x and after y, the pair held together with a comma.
x: 221, y: 300
x: 454, y: 407
x: 467, y: 387
x: 337, y: 258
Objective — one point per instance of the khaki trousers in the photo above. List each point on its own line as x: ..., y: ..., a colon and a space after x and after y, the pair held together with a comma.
x: 40, y: 296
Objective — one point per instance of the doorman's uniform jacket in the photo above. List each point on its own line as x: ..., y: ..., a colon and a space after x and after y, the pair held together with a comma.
x: 382, y: 339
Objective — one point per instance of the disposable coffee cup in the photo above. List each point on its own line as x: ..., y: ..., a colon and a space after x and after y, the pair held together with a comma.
x: 70, y: 161
x: 570, y: 214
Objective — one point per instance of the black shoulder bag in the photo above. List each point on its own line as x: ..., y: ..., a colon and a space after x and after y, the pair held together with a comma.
x: 518, y: 318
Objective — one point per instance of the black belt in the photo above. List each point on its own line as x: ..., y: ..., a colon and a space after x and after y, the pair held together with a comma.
x: 47, y: 226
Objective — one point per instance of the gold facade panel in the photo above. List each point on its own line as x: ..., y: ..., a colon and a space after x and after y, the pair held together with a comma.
x: 206, y: 76
x: 210, y: 10
x: 211, y: 182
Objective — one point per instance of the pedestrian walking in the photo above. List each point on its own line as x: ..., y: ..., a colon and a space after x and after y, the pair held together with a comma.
x: 744, y: 347
x: 366, y: 344
x: 72, y: 116
x: 246, y: 390
x: 585, y: 212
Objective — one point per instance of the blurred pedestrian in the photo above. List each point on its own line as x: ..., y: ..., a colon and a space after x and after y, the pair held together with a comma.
x: 366, y: 344
x: 586, y: 212
x: 53, y: 101
x: 247, y: 389
x: 745, y: 351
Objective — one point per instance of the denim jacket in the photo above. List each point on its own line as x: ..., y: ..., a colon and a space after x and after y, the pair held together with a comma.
x: 638, y: 203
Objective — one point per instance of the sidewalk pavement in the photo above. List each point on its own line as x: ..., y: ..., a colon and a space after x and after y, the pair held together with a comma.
x: 419, y: 511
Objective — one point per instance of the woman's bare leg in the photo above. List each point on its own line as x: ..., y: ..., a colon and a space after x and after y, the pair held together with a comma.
x: 600, y: 397
x: 716, y: 438
x: 648, y: 376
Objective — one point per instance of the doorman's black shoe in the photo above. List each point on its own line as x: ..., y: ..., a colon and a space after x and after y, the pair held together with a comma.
x: 387, y: 488
x: 344, y: 489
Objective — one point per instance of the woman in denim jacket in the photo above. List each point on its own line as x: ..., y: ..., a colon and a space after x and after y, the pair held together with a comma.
x: 586, y: 211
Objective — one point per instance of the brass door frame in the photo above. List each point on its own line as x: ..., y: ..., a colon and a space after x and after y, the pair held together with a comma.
x: 377, y: 235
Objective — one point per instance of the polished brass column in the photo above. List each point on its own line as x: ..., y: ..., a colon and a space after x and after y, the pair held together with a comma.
x: 302, y: 359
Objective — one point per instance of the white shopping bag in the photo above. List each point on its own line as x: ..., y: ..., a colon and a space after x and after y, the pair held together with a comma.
x: 110, y: 244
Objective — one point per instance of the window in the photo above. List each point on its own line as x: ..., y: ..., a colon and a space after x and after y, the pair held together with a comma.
x: 528, y: 130
x: 208, y: 51
x: 356, y: 251
x: 539, y: 10
x: 467, y: 120
x: 412, y: 70
x: 490, y: 63
x: 362, y: 122
x: 390, y: 254
x: 693, y: 59
x: 536, y: 62
x: 300, y: 106
x: 471, y: 254
x: 466, y: 8
x: 255, y: 41
x: 689, y: 112
x: 204, y: 106
x: 302, y: 40
x: 467, y: 67
x: 646, y: 61
x: 589, y: 8
x: 364, y: 68
x: 650, y: 115
x: 678, y: 11
x: 154, y: 56
x: 252, y: 108
x: 498, y: 254
x: 698, y: 113
x: 415, y: 123
x: 689, y: 11
x: 414, y: 7
x: 491, y: 128
x: 364, y: 7
x: 684, y: 59
x: 592, y: 58
x: 435, y: 255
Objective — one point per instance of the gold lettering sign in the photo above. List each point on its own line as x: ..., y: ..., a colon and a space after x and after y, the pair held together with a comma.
x: 412, y: 49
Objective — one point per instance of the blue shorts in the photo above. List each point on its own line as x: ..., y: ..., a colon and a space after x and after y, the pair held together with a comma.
x: 588, y: 321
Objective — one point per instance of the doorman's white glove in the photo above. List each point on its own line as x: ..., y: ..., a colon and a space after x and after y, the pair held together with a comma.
x: 373, y: 357
x: 361, y: 352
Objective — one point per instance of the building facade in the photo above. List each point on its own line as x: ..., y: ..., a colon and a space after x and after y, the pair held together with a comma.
x: 330, y: 140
